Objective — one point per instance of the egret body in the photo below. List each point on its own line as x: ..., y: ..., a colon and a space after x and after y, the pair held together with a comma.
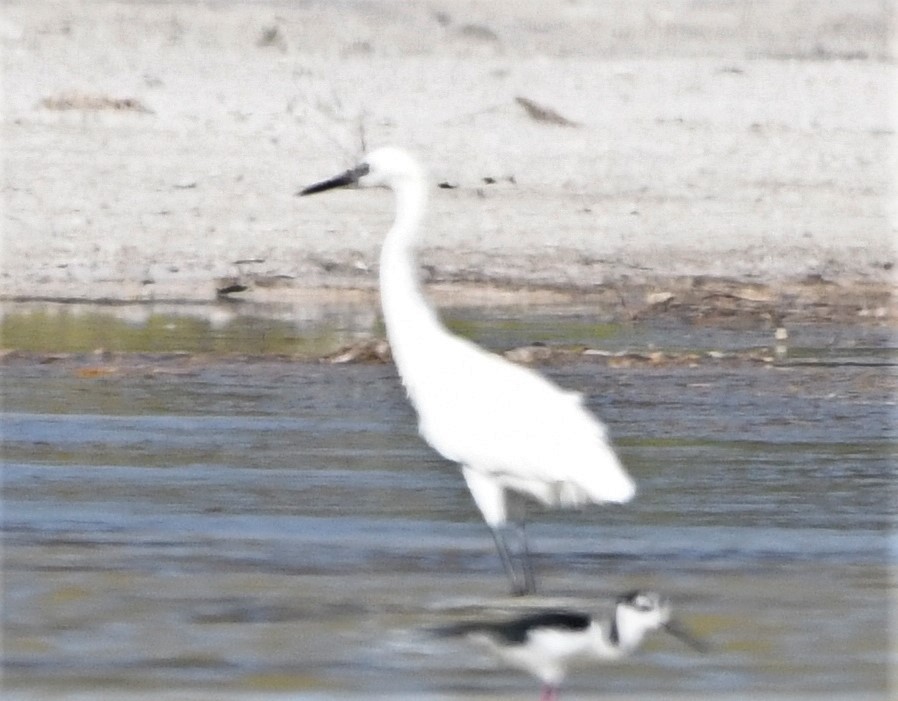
x: 508, y: 427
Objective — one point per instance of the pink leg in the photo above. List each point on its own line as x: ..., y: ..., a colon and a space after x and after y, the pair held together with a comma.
x: 550, y: 693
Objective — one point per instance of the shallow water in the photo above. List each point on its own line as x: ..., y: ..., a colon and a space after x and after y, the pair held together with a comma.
x: 274, y: 527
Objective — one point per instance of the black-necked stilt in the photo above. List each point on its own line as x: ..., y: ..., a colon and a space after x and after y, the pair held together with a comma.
x: 547, y: 643
x: 506, y: 425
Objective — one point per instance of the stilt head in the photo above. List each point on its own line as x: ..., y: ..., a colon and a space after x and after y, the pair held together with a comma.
x: 643, y: 609
x: 384, y: 167
x: 640, y: 612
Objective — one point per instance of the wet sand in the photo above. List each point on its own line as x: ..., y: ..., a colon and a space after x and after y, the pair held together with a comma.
x: 152, y: 150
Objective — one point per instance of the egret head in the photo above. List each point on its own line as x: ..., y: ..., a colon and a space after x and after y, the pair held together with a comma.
x: 639, y: 612
x: 384, y: 167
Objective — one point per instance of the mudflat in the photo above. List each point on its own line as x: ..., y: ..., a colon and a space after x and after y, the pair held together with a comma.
x: 674, y: 155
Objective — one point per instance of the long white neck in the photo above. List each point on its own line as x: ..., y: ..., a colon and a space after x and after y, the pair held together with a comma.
x: 409, y: 319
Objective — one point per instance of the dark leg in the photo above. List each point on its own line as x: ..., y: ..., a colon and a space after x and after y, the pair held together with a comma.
x: 518, y: 588
x: 521, y: 577
x: 526, y: 562
x: 518, y: 507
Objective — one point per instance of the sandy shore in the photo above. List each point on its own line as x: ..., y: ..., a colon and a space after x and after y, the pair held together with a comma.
x: 152, y: 150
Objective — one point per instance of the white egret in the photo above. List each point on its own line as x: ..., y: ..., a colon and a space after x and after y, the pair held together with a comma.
x: 506, y: 425
x: 547, y: 643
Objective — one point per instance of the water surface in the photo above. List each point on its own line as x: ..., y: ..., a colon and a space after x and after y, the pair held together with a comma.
x: 233, y: 528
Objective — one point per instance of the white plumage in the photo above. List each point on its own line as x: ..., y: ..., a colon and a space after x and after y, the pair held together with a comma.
x: 506, y: 425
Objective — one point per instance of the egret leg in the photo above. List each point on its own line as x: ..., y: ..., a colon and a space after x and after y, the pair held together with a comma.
x: 526, y: 562
x: 519, y: 508
x: 521, y: 576
x: 549, y: 693
x: 518, y: 588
